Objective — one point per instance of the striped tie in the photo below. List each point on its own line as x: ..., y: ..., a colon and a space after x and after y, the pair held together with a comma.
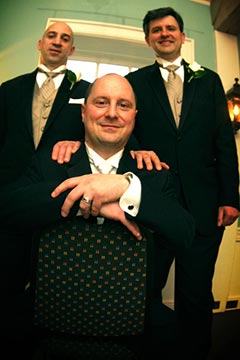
x: 174, y: 87
x: 48, y: 86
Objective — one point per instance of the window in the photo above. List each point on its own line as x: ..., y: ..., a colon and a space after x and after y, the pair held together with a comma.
x: 91, y: 70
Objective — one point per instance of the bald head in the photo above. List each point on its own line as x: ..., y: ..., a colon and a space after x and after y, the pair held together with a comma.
x: 111, y: 79
x: 56, y: 45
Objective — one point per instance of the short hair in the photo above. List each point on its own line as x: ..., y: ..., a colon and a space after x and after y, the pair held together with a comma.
x: 159, y: 14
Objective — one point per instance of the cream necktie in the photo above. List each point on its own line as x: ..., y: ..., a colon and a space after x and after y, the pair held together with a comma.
x: 174, y: 87
x: 48, y: 86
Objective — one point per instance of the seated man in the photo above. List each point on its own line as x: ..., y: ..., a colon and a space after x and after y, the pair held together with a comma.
x: 49, y: 191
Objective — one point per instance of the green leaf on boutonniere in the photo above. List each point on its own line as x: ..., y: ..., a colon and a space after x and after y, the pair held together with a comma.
x: 196, y: 71
x: 73, y: 77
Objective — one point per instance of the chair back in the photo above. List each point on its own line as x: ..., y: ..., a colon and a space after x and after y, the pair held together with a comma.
x: 91, y: 283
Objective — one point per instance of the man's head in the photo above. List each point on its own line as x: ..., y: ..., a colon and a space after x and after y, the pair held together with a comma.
x: 56, y: 45
x: 163, y: 30
x: 109, y: 114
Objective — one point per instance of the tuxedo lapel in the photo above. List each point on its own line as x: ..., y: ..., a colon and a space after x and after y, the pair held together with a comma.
x: 189, y: 89
x: 127, y: 163
x: 79, y: 164
x: 62, y: 97
x: 26, y: 92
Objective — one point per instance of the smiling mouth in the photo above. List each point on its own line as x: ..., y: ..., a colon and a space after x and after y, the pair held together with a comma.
x: 110, y: 126
x: 166, y: 41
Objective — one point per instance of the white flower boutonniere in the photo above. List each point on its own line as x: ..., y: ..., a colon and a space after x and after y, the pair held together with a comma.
x: 196, y: 71
x: 73, y: 77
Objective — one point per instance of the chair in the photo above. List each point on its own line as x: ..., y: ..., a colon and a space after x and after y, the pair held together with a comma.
x: 92, y: 287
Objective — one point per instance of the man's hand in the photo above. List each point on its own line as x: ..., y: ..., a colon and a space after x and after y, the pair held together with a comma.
x: 227, y: 215
x: 114, y: 212
x: 99, y: 188
x: 149, y: 158
x: 63, y: 150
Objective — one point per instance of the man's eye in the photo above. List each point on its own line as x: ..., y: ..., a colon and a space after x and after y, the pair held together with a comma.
x: 66, y: 39
x: 101, y: 102
x: 125, y: 105
x: 171, y: 28
x: 155, y: 30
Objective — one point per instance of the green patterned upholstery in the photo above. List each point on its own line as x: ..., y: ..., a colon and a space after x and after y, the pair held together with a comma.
x: 91, y: 281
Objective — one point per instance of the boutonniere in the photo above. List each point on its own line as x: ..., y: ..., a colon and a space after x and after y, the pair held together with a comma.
x: 73, y: 77
x: 196, y: 71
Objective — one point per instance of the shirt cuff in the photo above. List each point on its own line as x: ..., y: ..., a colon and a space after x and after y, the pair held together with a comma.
x: 130, y: 200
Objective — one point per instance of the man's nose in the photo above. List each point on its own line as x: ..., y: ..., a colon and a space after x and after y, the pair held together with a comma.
x: 164, y: 32
x: 112, y: 111
x: 57, y: 41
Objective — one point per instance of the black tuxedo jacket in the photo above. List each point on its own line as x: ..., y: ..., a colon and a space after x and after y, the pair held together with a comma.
x: 16, y: 133
x: 201, y: 153
x: 27, y: 202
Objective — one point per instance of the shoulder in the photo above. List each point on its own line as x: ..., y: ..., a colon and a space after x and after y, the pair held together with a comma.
x: 205, y: 72
x: 141, y: 73
x: 80, y: 89
x: 19, y: 79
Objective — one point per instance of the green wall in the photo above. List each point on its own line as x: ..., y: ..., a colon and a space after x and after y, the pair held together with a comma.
x: 22, y: 24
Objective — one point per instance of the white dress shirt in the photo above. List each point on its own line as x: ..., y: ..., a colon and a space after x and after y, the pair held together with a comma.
x: 130, y: 200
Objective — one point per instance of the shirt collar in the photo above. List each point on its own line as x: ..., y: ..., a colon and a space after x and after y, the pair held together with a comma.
x: 96, y: 159
x: 165, y: 63
x: 57, y: 70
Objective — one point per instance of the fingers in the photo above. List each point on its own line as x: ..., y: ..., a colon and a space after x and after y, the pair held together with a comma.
x: 70, y: 200
x: 67, y: 184
x: 72, y: 197
x: 132, y: 152
x: 220, y: 217
x: 227, y: 215
x: 164, y: 165
x: 149, y: 159
x: 96, y: 206
x: 63, y: 150
x: 85, y: 206
x: 132, y: 227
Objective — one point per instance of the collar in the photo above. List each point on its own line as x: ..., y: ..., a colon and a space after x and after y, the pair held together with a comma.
x: 96, y: 159
x: 165, y: 63
x: 41, y: 76
x: 57, y: 70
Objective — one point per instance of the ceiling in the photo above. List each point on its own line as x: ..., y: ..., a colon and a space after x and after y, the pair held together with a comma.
x: 225, y: 16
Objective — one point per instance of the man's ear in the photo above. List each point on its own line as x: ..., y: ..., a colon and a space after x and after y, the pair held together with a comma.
x: 39, y: 44
x: 83, y: 106
x: 147, y: 40
x: 72, y: 50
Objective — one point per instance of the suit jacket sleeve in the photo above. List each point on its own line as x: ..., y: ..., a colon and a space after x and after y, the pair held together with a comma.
x: 161, y: 211
x: 28, y: 202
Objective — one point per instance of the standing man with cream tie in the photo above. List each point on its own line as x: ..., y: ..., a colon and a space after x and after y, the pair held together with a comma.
x: 191, y: 132
x: 32, y: 121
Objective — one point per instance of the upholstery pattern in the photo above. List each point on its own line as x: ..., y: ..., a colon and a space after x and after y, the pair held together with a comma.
x: 91, y: 279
